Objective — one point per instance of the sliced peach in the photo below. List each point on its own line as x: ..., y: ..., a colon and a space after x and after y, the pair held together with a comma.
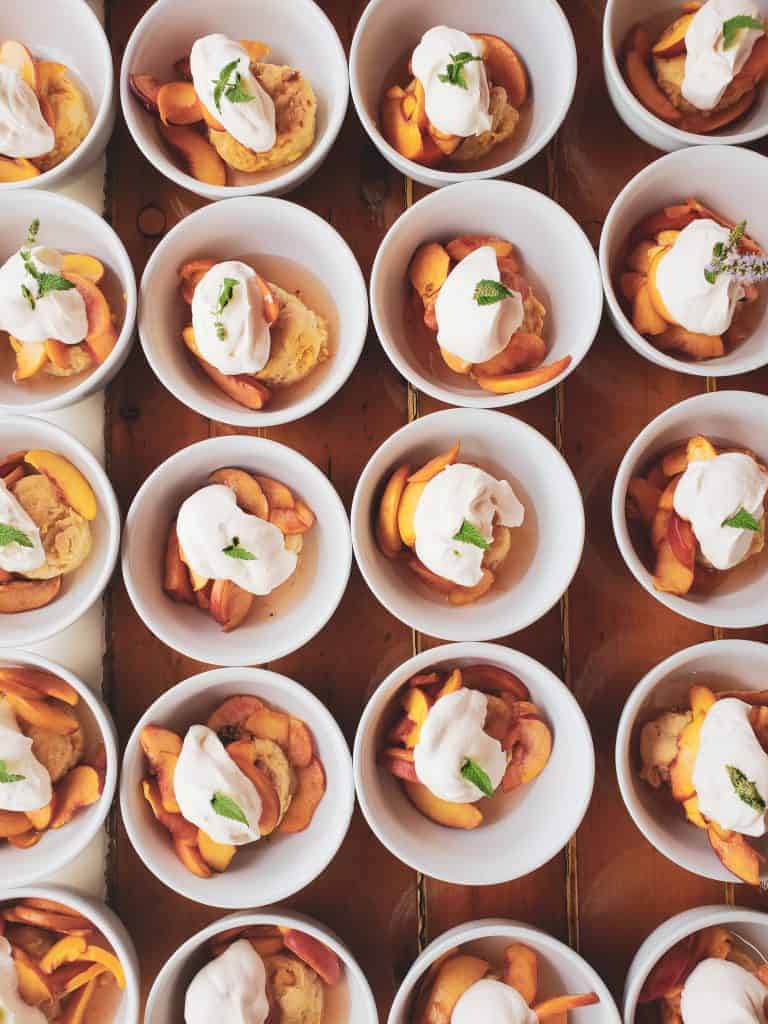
x: 681, y: 769
x: 400, y: 763
x: 191, y: 274
x: 693, y: 812
x: 529, y: 743
x: 65, y: 951
x: 242, y: 388
x: 429, y: 268
x: 434, y: 466
x: 37, y: 681
x: 564, y: 1004
x: 698, y: 346
x: 255, y: 49
x: 643, y: 85
x: 230, y: 604
x: 642, y: 500
x: 671, y: 42
x: 310, y: 790
x: 278, y: 495
x: 301, y: 747
x: 493, y: 679
x: 439, y: 583
x: 180, y: 829
x: 31, y: 357
x: 523, y: 352
x: 387, y: 532
x: 670, y: 218
x: 200, y: 158
x: 455, y: 975
x: 735, y: 853
x: 441, y: 812
x: 18, y: 169
x: 13, y: 823
x: 176, y: 581
x: 145, y: 88
x: 700, y: 124
x: 416, y: 704
x: 402, y: 133
x: 455, y: 363
x: 681, y: 539
x: 77, y: 1008
x: 645, y: 317
x: 40, y: 819
x: 67, y: 923
x: 34, y: 988
x: 26, y: 595
x: 653, y: 291
x: 166, y: 772
x: 57, y: 352
x: 407, y: 510
x: 26, y: 840
x: 16, y: 56
x: 103, y: 957
x: 414, y: 105
x: 248, y: 492
x: 71, y: 483
x: 504, y: 67
x: 267, y: 724
x: 177, y: 103
x: 191, y: 858
x: 96, y: 305
x: 230, y: 717
x: 670, y: 575
x: 701, y: 699
x: 315, y: 953
x: 82, y: 265
x: 459, y: 248
x: 217, y: 856
x: 291, y: 521
x: 511, y: 383
x: 468, y: 595
x: 521, y: 970
x: 241, y: 753
x: 79, y: 788
x: 51, y: 717
x: 156, y: 741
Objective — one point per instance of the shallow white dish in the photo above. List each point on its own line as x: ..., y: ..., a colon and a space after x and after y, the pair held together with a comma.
x: 81, y: 588
x: 299, y: 34
x: 253, y: 227
x: 739, y: 418
x: 517, y: 835
x: 307, y: 600
x: 723, y: 178
x: 542, y: 481
x: 537, y: 29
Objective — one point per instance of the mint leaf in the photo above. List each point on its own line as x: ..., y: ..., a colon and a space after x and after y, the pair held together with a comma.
x: 10, y: 535
x: 226, y: 807
x: 488, y: 291
x: 454, y: 72
x: 234, y: 550
x: 732, y: 25
x: 28, y: 296
x: 230, y: 89
x: 742, y: 521
x: 745, y: 789
x: 235, y: 93
x: 34, y: 227
x: 226, y: 292
x: 470, y: 534
x: 472, y: 772
x: 46, y: 282
x: 220, y: 84
x: 6, y: 776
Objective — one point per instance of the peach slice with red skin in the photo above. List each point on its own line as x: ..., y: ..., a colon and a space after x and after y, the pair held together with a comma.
x: 241, y: 753
x: 559, y: 1005
x: 79, y: 788
x: 145, y: 88
x: 301, y: 747
x: 200, y: 158
x: 529, y: 743
x: 37, y: 681
x: 644, y: 86
x: 494, y: 679
x: 736, y: 853
x: 504, y: 67
x: 681, y: 769
x: 400, y: 763
x: 439, y: 583
x: 671, y: 43
x: 230, y: 604
x: 512, y: 383
x: 452, y: 978
x: 242, y: 388
x: 314, y: 953
x: 69, y: 481
x: 231, y: 716
x: 468, y: 595
x: 31, y: 357
x: 27, y: 595
x: 441, y: 812
x: 191, y: 274
x: 521, y: 970
x: 176, y: 581
x: 523, y: 352
x: 182, y: 831
x: 102, y: 336
x: 16, y: 56
x: 462, y: 246
x: 436, y: 465
x: 248, y: 491
x: 64, y: 921
x: 51, y: 717
x: 310, y: 790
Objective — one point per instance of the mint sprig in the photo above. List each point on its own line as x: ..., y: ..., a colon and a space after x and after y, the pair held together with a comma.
x: 732, y: 25
x: 742, y: 520
x: 10, y: 535
x: 472, y: 772
x: 487, y: 292
x: 6, y: 776
x: 226, y: 293
x: 46, y: 282
x: 32, y: 231
x: 745, y: 789
x: 226, y: 807
x: 454, y: 72
x: 469, y: 534
x: 228, y: 87
x: 234, y: 550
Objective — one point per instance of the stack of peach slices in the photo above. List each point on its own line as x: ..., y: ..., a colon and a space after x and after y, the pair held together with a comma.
x: 507, y: 741
x: 44, y: 114
x: 47, y: 772
x: 679, y: 76
x: 462, y: 987
x: 252, y: 771
x: 62, y: 966
x: 46, y: 511
x: 473, y: 287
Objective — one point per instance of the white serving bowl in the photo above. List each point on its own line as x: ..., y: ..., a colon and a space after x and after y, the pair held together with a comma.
x: 620, y: 16
x: 550, y: 544
x: 719, y: 664
x: 67, y: 31
x: 739, y: 418
x: 70, y: 227
x: 299, y: 34
x: 722, y: 177
x: 351, y: 1002
x: 751, y: 925
x: 126, y: 1011
x: 389, y: 30
x: 268, y: 871
x: 304, y: 604
x: 557, y: 258
x: 59, y: 847
x: 517, y: 835
x: 81, y: 588
x: 561, y: 970
x: 252, y: 227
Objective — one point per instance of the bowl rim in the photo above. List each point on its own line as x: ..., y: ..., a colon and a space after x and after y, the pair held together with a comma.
x: 493, y: 653
x: 359, y: 522
x: 641, y: 692
x: 482, y: 400
x: 108, y: 735
x: 433, y: 176
x: 98, y: 378
x: 622, y: 322
x: 690, y: 610
x: 676, y: 136
x: 107, y: 501
x: 103, y: 113
x: 254, y: 445
x: 291, y: 176
x: 318, y: 396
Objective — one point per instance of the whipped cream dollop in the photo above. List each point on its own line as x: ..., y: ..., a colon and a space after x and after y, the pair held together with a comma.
x: 709, y: 66
x: 465, y: 328
x: 451, y: 108
x: 24, y: 132
x: 210, y: 521
x: 59, y: 314
x: 459, y: 494
x: 25, y: 784
x: 709, y: 492
x: 724, y: 992
x: 205, y: 773
x: 15, y: 556
x: 694, y: 303
x: 13, y: 1009
x: 231, y: 989
x: 729, y: 747
x: 244, y: 107
x: 492, y: 1002
x: 451, y: 735
x: 234, y: 337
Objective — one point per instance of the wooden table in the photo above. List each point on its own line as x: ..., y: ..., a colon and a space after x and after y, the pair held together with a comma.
x: 610, y: 887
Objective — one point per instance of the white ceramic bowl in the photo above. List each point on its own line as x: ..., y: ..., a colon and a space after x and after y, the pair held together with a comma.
x: 298, y: 33
x: 620, y: 16
x: 723, y: 178
x: 113, y: 930
x: 303, y: 605
x: 751, y: 925
x: 549, y: 546
x: 719, y: 664
x: 268, y: 871
x: 68, y: 31
x: 739, y: 418
x: 71, y: 227
x: 253, y: 227
x: 349, y: 1003
x: 81, y: 588
x: 557, y: 258
x: 561, y: 970
x: 538, y: 30
x: 58, y: 847
x: 517, y: 835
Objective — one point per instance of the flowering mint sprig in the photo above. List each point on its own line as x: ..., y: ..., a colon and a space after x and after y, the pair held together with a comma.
x: 746, y: 267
